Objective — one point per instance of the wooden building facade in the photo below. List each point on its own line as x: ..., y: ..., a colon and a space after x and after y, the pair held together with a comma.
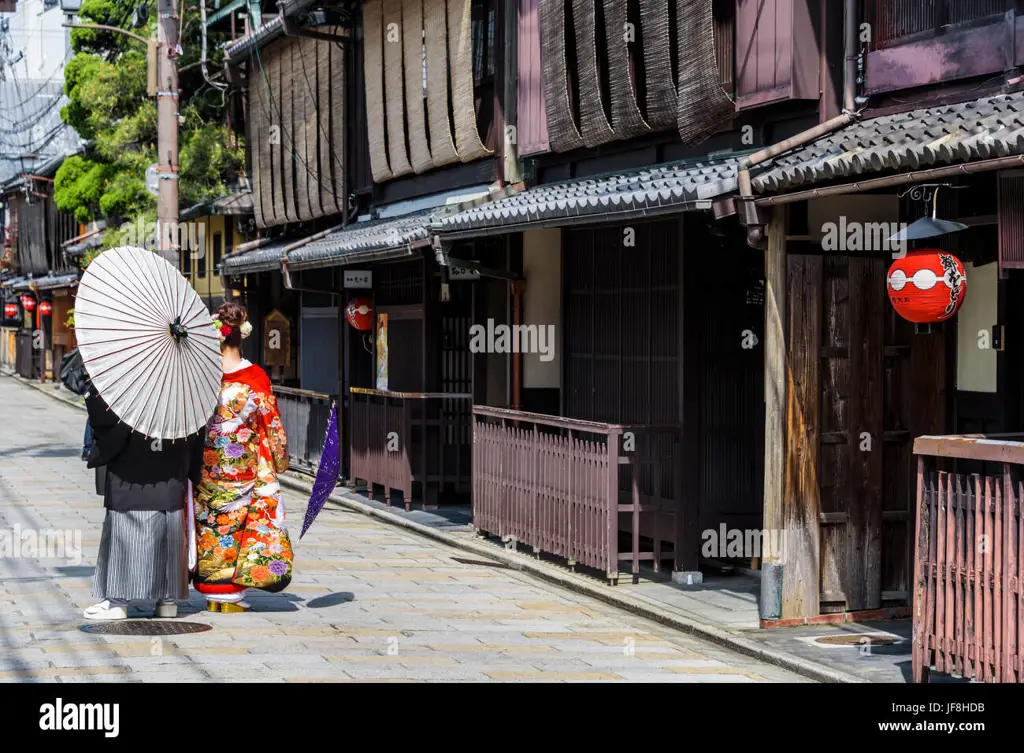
x: 525, y: 164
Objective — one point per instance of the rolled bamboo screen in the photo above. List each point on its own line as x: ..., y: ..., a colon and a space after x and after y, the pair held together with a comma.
x: 296, y: 121
x: 413, y: 46
x: 562, y: 129
x: 460, y: 51
x: 703, y: 104
x: 627, y: 119
x: 256, y: 123
x: 284, y: 92
x: 594, y: 126
x: 334, y: 123
x: 410, y: 40
x: 394, y: 89
x: 662, y: 99
x: 435, y: 30
x: 373, y: 72
x: 696, y: 105
x: 306, y: 127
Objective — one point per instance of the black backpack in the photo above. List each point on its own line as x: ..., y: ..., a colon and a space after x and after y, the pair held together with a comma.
x: 73, y: 374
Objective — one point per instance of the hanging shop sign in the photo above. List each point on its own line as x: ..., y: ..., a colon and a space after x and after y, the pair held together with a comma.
x: 359, y: 313
x: 456, y: 273
x: 927, y: 286
x: 358, y: 279
x: 382, y: 351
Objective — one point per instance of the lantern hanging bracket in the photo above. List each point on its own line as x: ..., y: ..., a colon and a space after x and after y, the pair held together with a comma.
x: 928, y: 192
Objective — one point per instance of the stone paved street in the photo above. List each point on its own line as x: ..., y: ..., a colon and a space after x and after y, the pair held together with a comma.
x: 368, y: 603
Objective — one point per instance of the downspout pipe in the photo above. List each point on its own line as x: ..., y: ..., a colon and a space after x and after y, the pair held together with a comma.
x: 751, y: 217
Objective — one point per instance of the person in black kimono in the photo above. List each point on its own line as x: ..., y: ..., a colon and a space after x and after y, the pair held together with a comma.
x: 144, y: 482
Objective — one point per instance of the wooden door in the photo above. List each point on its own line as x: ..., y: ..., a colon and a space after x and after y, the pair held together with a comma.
x: 879, y: 384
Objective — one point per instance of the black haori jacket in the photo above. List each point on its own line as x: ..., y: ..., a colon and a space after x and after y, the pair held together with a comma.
x: 134, y: 472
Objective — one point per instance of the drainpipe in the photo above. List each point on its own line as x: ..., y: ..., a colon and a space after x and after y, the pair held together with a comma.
x: 751, y: 217
x: 850, y: 76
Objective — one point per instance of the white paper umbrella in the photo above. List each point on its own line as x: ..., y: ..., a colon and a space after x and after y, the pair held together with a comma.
x: 148, y: 343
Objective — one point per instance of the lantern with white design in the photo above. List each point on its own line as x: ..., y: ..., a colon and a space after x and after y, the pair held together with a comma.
x: 927, y: 286
x: 360, y: 314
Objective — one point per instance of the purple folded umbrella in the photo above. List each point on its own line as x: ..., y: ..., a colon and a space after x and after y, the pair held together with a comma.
x: 326, y: 474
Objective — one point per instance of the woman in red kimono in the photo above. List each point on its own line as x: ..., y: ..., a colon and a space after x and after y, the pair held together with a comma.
x: 239, y: 512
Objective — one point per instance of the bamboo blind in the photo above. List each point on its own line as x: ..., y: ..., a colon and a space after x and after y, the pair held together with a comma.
x: 284, y: 93
x: 309, y: 131
x: 460, y: 49
x: 563, y: 132
x: 413, y: 46
x: 627, y: 120
x: 394, y: 89
x: 373, y: 69
x: 336, y: 88
x: 435, y: 33
x: 407, y: 40
x: 696, y: 105
x: 296, y: 123
x: 703, y: 104
x: 662, y: 99
x: 595, y: 128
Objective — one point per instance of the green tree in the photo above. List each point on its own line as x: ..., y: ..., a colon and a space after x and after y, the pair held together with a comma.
x: 105, y: 82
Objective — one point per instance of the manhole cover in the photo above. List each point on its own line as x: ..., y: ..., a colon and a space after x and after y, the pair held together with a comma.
x: 146, y: 627
x: 856, y: 640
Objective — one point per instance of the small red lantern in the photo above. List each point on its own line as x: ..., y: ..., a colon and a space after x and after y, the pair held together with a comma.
x: 360, y: 314
x: 927, y: 285
x: 29, y: 303
x: 10, y: 310
x: 45, y: 308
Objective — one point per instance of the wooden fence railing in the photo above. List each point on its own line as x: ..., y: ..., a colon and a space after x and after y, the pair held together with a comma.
x: 398, y: 439
x: 561, y: 486
x: 969, y: 586
x: 305, y: 416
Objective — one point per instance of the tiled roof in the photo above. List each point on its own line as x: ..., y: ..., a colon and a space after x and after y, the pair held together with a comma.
x: 654, y: 190
x: 48, y: 282
x: 265, y: 259
x: 75, y: 250
x: 374, y: 239
x: 928, y: 137
x: 239, y: 202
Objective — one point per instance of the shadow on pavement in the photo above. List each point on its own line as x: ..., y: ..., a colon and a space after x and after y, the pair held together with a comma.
x: 331, y: 600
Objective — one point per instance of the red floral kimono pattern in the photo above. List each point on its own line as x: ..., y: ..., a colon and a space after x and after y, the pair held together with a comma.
x: 242, y: 541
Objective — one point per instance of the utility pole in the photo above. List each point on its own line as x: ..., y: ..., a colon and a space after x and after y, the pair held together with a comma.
x: 162, y: 59
x: 167, y: 132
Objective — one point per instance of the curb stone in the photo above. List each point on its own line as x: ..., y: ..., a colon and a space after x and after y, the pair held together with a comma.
x: 663, y: 616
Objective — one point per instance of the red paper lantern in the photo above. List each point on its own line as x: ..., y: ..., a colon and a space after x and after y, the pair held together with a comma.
x: 360, y: 314
x: 45, y: 308
x: 29, y: 303
x: 927, y: 285
x: 10, y: 310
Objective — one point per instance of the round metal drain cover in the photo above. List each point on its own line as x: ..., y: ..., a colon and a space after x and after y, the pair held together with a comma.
x: 146, y: 627
x: 856, y: 640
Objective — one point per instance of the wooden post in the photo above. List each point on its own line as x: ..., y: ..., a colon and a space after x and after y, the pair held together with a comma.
x: 772, y: 560
x: 801, y: 589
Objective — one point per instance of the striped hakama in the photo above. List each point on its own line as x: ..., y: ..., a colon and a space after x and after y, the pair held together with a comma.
x: 143, y: 556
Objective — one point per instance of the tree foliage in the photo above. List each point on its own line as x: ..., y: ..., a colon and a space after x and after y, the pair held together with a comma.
x: 106, y: 84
